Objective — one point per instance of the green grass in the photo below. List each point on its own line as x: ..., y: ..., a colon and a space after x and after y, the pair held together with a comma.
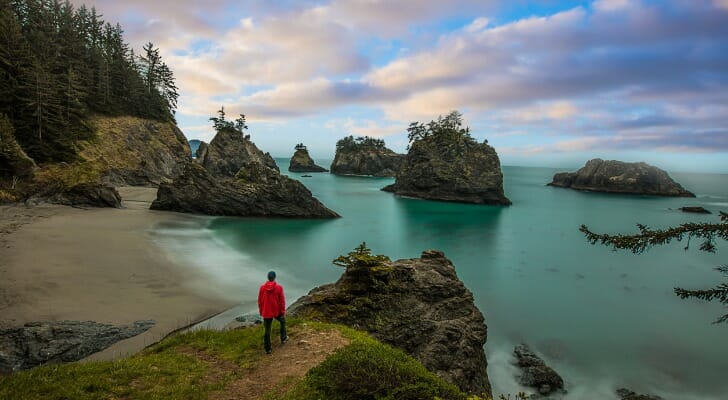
x: 369, y: 369
x: 164, y: 371
x: 365, y: 369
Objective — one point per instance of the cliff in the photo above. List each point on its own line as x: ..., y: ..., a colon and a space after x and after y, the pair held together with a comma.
x: 123, y: 151
x: 461, y: 171
x: 302, y: 162
x: 418, y: 305
x: 620, y: 177
x: 365, y: 156
x: 232, y: 177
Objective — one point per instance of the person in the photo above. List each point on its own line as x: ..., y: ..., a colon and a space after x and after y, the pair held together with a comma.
x: 272, y: 304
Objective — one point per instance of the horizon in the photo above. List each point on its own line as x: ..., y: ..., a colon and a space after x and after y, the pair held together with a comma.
x: 552, y: 84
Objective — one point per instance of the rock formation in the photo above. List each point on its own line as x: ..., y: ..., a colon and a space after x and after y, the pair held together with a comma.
x: 365, y: 156
x: 445, y: 163
x: 233, y: 177
x: 229, y: 151
x: 201, y: 151
x: 535, y: 372
x: 302, y: 162
x: 695, y: 209
x: 132, y: 151
x: 620, y: 177
x: 418, y: 305
x: 626, y: 394
x: 51, y: 342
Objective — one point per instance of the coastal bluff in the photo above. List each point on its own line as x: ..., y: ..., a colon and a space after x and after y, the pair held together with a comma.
x: 122, y: 151
x: 365, y: 156
x: 232, y: 177
x: 610, y: 176
x: 418, y: 305
x: 302, y: 161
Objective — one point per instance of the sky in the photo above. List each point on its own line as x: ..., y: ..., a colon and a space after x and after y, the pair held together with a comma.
x: 547, y: 83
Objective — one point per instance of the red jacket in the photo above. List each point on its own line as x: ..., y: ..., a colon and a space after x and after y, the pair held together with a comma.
x: 271, y: 300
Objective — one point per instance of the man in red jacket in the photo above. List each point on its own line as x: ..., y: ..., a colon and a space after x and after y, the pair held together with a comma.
x: 272, y: 304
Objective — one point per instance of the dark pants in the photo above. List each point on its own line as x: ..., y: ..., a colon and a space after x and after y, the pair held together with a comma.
x: 267, y: 323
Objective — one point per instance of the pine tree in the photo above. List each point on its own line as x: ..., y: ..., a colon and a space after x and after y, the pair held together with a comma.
x: 647, y: 238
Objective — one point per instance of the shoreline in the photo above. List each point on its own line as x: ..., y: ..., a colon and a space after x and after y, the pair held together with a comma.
x: 64, y: 263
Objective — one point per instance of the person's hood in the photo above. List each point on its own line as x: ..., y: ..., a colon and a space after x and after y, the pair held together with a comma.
x: 269, y: 286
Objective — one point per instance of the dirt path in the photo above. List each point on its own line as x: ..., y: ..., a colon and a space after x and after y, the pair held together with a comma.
x: 276, y: 373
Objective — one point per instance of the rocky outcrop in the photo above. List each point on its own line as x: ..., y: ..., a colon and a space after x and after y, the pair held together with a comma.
x: 535, y: 372
x: 620, y: 177
x: 232, y: 177
x: 463, y: 172
x: 130, y: 151
x: 201, y: 151
x: 229, y: 151
x: 257, y: 191
x: 84, y: 195
x: 626, y: 394
x: 695, y: 209
x: 365, y: 157
x: 418, y: 305
x: 52, y: 342
x: 302, y: 162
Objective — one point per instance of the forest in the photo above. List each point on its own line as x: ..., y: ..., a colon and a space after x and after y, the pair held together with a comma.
x: 60, y: 64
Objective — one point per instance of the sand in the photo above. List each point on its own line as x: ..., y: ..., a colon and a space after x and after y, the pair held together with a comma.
x: 64, y: 263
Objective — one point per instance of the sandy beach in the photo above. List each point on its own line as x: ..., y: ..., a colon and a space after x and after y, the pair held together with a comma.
x: 64, y: 263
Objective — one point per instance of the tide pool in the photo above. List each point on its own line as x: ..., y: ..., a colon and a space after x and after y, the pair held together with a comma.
x: 602, y: 319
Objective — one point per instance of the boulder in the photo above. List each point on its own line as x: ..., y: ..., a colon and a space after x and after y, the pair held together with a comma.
x: 620, y: 177
x: 418, y: 305
x: 365, y: 157
x: 463, y: 172
x: 626, y: 394
x: 257, y: 191
x: 302, y: 162
x: 535, y: 372
x: 38, y: 343
x: 88, y: 194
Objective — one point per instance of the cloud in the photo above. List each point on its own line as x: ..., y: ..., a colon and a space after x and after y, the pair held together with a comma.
x: 611, y: 73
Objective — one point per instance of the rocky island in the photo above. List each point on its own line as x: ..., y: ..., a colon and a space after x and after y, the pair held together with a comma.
x: 365, y: 156
x: 612, y: 176
x: 418, y: 305
x: 302, y: 161
x: 232, y: 177
x: 445, y: 163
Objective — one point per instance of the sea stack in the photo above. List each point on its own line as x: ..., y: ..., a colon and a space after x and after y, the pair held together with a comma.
x: 418, y: 305
x: 445, y: 163
x: 232, y: 177
x: 365, y: 156
x: 620, y: 177
x: 302, y: 161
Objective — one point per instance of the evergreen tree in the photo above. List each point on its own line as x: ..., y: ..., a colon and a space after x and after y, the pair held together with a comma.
x: 707, y: 233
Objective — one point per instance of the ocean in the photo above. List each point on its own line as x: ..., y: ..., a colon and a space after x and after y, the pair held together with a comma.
x: 602, y: 319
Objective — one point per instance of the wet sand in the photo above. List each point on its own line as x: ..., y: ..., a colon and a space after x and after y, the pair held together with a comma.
x: 64, y: 263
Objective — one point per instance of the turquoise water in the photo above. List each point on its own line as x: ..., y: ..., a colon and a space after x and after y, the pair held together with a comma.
x: 603, y: 319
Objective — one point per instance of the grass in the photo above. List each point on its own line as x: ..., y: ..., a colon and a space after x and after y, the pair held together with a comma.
x: 180, y: 368
x: 369, y: 369
x: 164, y: 371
